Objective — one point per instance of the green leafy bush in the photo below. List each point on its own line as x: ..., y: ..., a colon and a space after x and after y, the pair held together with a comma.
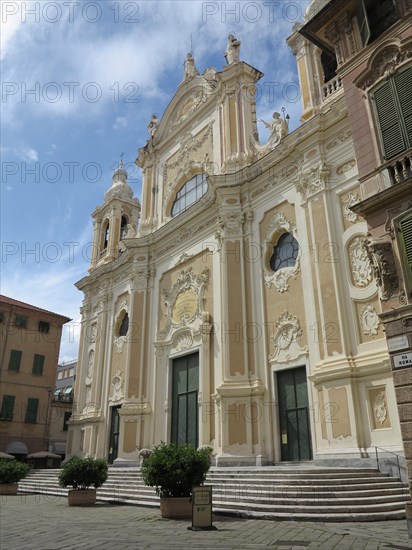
x: 81, y: 473
x: 12, y: 471
x: 173, y: 469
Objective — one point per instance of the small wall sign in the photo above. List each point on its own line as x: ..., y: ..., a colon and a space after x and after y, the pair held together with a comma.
x: 402, y: 360
x: 398, y: 343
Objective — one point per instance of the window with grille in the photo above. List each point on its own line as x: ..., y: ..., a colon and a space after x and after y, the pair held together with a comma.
x: 38, y: 364
x: 284, y: 253
x: 31, y: 411
x: 394, y: 113
x: 192, y: 191
x: 7, y: 407
x: 15, y: 360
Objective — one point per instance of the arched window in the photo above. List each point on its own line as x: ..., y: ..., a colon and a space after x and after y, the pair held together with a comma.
x: 189, y: 194
x: 124, y: 325
x: 106, y: 236
x: 284, y: 253
x: 123, y: 228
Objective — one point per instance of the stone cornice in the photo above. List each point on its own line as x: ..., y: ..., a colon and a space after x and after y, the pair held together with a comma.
x: 384, y: 199
x: 357, y: 367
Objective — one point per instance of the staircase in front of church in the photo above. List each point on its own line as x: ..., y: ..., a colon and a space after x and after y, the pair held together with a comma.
x: 298, y: 493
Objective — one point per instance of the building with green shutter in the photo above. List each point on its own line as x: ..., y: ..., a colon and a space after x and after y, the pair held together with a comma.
x: 242, y: 303
x: 372, y: 42
x: 30, y: 344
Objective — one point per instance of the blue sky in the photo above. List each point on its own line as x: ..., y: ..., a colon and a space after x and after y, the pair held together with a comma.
x: 97, y: 71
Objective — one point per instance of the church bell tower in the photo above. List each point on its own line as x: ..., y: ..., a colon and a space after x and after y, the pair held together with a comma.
x: 115, y: 220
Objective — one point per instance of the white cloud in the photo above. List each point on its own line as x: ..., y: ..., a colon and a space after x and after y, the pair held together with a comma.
x: 28, y: 154
x: 120, y: 122
x: 11, y: 23
x: 130, y: 62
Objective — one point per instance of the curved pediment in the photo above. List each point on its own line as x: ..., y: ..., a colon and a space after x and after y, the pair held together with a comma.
x: 384, y: 61
x: 189, y: 98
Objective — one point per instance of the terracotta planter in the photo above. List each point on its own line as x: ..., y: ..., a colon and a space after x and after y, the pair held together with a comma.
x: 8, y: 488
x: 176, y: 508
x: 85, y: 497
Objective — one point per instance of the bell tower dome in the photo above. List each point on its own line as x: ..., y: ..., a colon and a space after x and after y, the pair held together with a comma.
x: 115, y: 220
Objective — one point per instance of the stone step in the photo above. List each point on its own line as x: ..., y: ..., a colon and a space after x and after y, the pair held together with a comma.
x: 329, y: 491
x: 322, y: 517
x: 277, y: 508
x: 333, y: 495
x: 289, y: 481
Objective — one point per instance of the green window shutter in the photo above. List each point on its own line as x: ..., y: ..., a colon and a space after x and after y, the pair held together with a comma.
x: 38, y: 364
x: 15, y: 360
x: 390, y: 127
x: 405, y: 227
x: 403, y: 85
x: 7, y: 407
x: 31, y: 412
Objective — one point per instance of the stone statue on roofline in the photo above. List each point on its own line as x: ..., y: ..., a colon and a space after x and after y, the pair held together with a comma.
x: 190, y: 68
x: 153, y: 125
x: 232, y: 53
x: 279, y: 128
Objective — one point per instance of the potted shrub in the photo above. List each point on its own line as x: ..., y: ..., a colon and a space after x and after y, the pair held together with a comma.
x: 81, y: 474
x: 11, y: 472
x: 173, y: 470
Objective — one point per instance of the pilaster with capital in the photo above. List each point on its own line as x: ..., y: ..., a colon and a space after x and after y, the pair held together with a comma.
x: 310, y: 73
x: 233, y: 230
x: 97, y: 228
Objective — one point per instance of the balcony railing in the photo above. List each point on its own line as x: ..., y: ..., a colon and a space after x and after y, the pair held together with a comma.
x: 63, y: 398
x: 331, y: 87
x: 400, y: 169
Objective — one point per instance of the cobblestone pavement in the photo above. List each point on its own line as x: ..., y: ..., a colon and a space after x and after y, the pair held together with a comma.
x: 31, y: 522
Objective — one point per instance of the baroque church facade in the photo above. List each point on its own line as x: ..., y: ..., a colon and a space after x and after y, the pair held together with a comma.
x: 236, y: 305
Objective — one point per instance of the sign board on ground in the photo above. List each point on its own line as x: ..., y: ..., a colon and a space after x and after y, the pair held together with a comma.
x: 202, y: 506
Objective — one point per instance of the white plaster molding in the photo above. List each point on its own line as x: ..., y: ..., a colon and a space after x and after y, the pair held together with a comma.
x: 186, y: 281
x: 312, y: 180
x: 119, y: 342
x: 379, y: 408
x: 286, y: 341
x: 279, y: 279
x: 369, y: 320
x: 117, y: 389
x: 351, y: 200
x: 361, y: 267
x: 90, y: 368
